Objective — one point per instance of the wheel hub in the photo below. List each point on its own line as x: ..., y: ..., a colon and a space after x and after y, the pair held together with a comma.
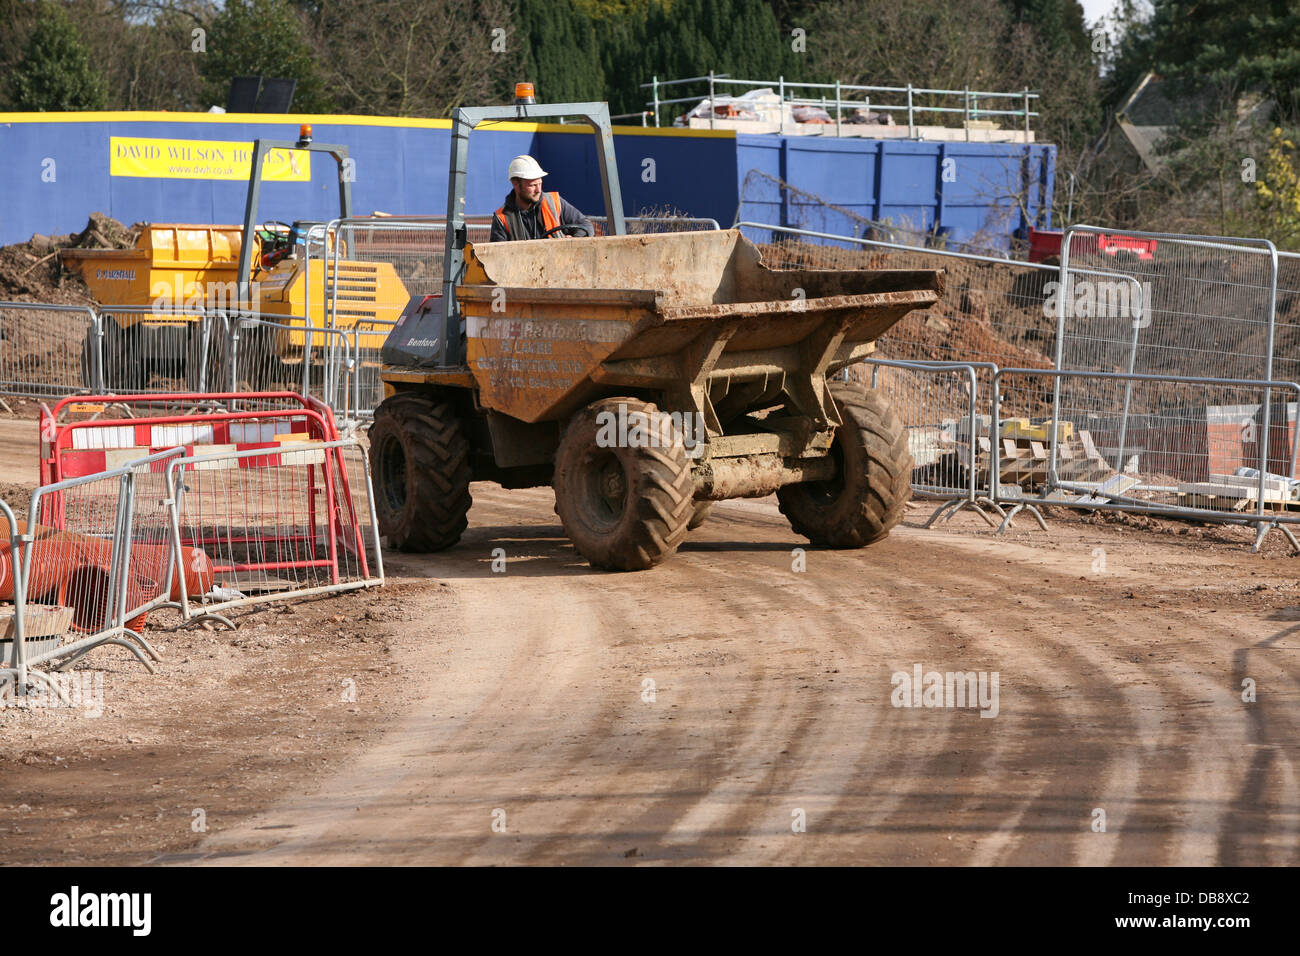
x: 613, y: 486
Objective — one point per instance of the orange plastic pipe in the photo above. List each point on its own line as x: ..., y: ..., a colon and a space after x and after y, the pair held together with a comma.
x: 73, y: 569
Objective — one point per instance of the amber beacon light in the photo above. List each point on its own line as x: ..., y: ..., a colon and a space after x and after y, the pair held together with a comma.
x: 304, y: 134
x: 524, y: 94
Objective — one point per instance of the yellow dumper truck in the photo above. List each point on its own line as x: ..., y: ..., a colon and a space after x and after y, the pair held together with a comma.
x: 177, y: 271
x: 643, y: 377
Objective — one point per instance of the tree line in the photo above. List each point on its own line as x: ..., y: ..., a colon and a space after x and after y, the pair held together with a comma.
x: 424, y: 57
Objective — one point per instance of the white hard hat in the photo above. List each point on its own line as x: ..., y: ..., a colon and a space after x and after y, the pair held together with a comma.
x: 525, y: 167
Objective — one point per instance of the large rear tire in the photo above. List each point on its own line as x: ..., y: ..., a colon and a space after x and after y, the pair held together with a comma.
x: 419, y: 458
x: 624, y: 507
x: 872, y: 484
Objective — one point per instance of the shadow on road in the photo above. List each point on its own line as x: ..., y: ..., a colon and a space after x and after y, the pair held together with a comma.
x: 543, y: 551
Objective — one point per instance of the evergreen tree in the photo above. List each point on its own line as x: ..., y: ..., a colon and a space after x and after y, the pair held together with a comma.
x: 1057, y: 23
x: 55, y: 71
x: 263, y: 38
x: 1222, y: 43
x: 692, y: 37
x: 561, y: 55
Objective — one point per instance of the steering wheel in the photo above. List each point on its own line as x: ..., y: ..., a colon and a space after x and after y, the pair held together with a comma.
x: 275, y: 229
x: 569, y: 230
x: 277, y: 241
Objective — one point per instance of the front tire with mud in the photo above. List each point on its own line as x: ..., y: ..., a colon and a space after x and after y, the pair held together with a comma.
x: 419, y: 457
x: 872, y: 485
x: 624, y: 505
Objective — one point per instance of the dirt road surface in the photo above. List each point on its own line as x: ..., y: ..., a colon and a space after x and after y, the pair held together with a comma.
x: 706, y: 711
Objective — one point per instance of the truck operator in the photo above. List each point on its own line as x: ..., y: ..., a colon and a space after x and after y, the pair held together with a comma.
x: 529, y: 213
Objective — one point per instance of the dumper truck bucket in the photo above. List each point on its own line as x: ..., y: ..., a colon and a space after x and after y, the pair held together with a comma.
x: 553, y: 325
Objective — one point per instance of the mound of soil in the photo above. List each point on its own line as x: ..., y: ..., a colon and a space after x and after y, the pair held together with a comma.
x: 31, y: 271
x: 988, y: 313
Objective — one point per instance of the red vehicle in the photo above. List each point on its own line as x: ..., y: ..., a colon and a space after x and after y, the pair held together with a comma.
x: 1045, y: 244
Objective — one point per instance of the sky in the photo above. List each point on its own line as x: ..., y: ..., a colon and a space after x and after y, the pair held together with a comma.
x: 1094, y: 10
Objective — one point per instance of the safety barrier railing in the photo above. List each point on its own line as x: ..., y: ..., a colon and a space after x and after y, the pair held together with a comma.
x: 972, y: 105
x: 75, y: 555
x: 162, y: 349
x: 1286, y: 321
x: 273, y: 352
x: 413, y: 246
x: 145, y: 587
x: 938, y: 404
x: 364, y: 389
x: 275, y: 525
x: 1209, y: 303
x: 48, y: 350
x: 1209, y: 307
x: 1209, y: 449
x: 16, y: 674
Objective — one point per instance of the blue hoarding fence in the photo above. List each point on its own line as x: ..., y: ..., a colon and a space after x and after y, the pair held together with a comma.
x: 177, y: 167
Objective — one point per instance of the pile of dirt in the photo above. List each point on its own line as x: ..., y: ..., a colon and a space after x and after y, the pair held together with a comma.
x: 31, y: 271
x: 988, y: 313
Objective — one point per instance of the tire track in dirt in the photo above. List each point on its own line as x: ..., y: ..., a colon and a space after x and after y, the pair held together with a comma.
x: 443, y: 749
x: 1173, y: 780
x: 674, y: 817
x: 927, y: 794
x: 1269, y: 782
x: 851, y: 717
x: 1067, y: 653
x: 830, y: 731
x: 928, y: 751
x: 773, y: 693
x: 744, y: 798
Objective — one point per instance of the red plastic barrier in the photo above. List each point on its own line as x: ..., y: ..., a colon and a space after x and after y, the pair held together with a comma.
x: 110, y: 443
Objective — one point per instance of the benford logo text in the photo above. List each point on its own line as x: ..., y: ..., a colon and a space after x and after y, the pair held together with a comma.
x: 102, y: 909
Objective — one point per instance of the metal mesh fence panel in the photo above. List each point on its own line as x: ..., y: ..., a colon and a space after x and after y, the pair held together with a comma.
x: 1286, y: 336
x: 180, y: 350
x: 281, y: 353
x: 1165, y: 305
x: 150, y: 560
x: 1138, y: 303
x: 992, y: 311
x: 1158, y: 442
x: 276, y: 525
x: 935, y: 406
x: 73, y: 557
x: 47, y: 350
x: 413, y: 247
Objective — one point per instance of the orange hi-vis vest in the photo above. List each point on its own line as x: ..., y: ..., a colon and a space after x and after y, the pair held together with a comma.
x: 550, y: 203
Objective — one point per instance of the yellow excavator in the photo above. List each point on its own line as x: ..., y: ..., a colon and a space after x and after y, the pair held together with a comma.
x: 177, y: 271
